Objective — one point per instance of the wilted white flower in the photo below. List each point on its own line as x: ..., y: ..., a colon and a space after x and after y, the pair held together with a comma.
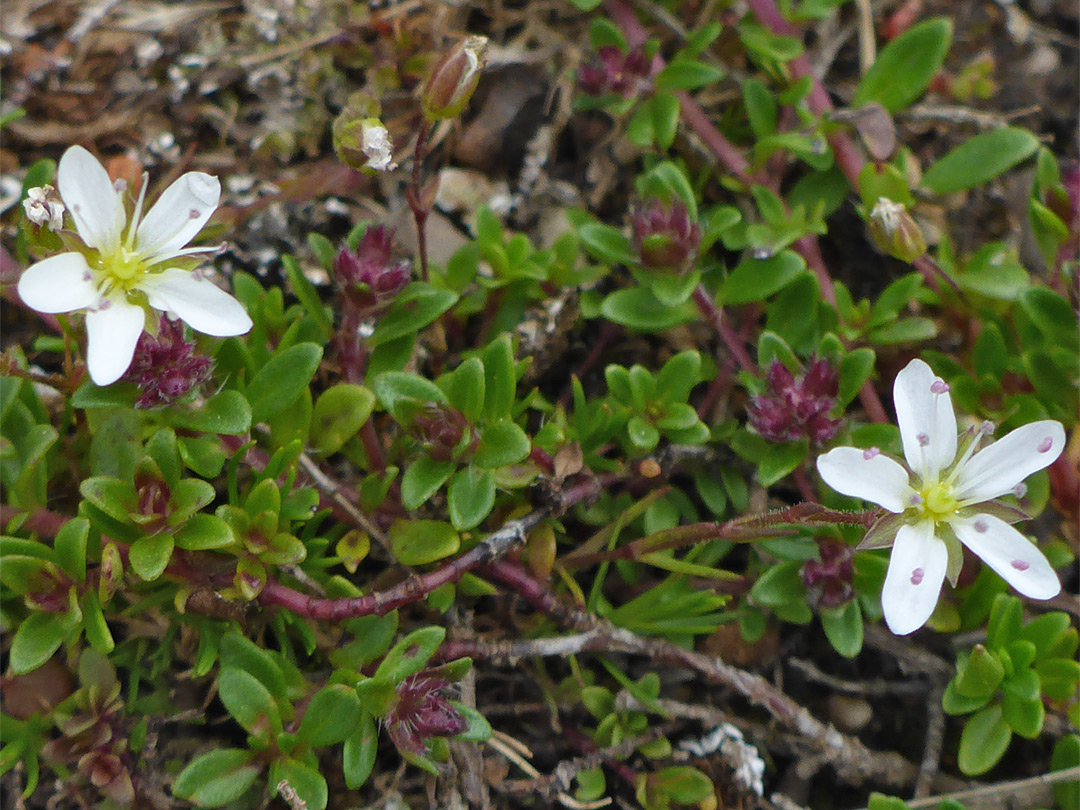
x: 43, y: 206
x: 942, y: 498
x: 126, y: 266
x: 377, y: 147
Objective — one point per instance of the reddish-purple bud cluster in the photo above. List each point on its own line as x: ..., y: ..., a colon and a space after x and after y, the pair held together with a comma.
x: 665, y: 236
x: 420, y: 711
x: 828, y: 580
x: 368, y: 277
x: 440, y: 430
x: 1067, y: 208
x: 792, y: 408
x: 615, y: 72
x: 166, y: 367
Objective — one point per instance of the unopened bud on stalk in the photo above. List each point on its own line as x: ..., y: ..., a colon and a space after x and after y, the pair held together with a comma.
x: 361, y: 140
x: 453, y: 80
x: 895, y: 231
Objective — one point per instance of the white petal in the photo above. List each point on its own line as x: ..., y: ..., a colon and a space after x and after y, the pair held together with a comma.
x: 997, y: 469
x: 59, y: 284
x: 913, y: 582
x: 111, y: 334
x: 197, y: 302
x: 927, y: 422
x: 868, y: 475
x: 178, y: 215
x: 92, y: 199
x: 1015, y: 559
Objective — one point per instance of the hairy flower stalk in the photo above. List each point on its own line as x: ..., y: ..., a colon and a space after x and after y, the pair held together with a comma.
x: 944, y: 497
x: 125, y: 268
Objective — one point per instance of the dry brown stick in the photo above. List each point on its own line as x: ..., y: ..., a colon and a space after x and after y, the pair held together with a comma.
x: 1031, y: 792
x: 852, y: 760
x: 935, y: 738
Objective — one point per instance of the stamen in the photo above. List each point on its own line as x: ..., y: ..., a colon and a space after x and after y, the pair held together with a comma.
x: 870, y: 452
x: 1020, y: 490
x: 136, y: 215
x: 1020, y: 565
x: 981, y: 527
x: 939, y: 387
x: 194, y: 213
x: 1045, y: 445
x: 915, y: 499
x: 923, y: 439
x: 917, y: 576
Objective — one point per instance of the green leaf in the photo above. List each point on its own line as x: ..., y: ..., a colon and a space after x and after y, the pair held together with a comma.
x: 94, y: 624
x: 330, y: 716
x: 983, y: 741
x: 419, y: 542
x: 478, y: 728
x: 115, y: 498
x: 150, y: 555
x: 501, y: 443
x: 204, y: 532
x: 358, y: 755
x: 415, y: 307
x: 217, y: 778
x: 228, y: 412
x: 761, y: 107
x: 855, y: 369
x: 1024, y: 716
x: 422, y: 480
x: 277, y: 384
x: 980, y: 674
x: 906, y: 66
x: 687, y: 74
x: 187, y: 497
x: 500, y: 378
x: 70, y: 545
x: 249, y: 702
x: 393, y: 387
x: 471, y: 497
x: 307, y: 294
x: 1006, y: 616
x: 844, y: 628
x: 980, y: 159
x: 202, y: 454
x: 780, y: 584
x: 681, y: 784
x: 779, y: 461
x: 38, y: 637
x: 607, y: 244
x: 1066, y: 755
x: 411, y: 654
x: 340, y: 412
x: 638, y: 308
x: 643, y: 435
x: 757, y: 279
x: 905, y: 330
x: 308, y: 784
x: 465, y: 389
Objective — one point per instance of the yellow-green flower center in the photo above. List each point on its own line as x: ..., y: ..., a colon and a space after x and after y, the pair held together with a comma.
x: 938, y: 501
x: 121, y: 269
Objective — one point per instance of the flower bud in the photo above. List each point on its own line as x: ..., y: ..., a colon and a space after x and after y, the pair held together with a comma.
x: 895, y: 231
x: 615, y: 72
x: 166, y: 367
x: 367, y: 276
x: 442, y: 431
x: 828, y: 580
x: 453, y: 80
x: 792, y: 408
x: 420, y: 711
x: 43, y: 207
x: 666, y: 237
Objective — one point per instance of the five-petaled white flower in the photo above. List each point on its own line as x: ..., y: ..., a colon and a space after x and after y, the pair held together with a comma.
x: 941, y: 499
x: 129, y: 266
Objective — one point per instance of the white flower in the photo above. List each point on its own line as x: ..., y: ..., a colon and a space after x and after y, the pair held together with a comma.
x: 127, y: 265
x: 43, y: 205
x: 377, y: 147
x: 940, y: 500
